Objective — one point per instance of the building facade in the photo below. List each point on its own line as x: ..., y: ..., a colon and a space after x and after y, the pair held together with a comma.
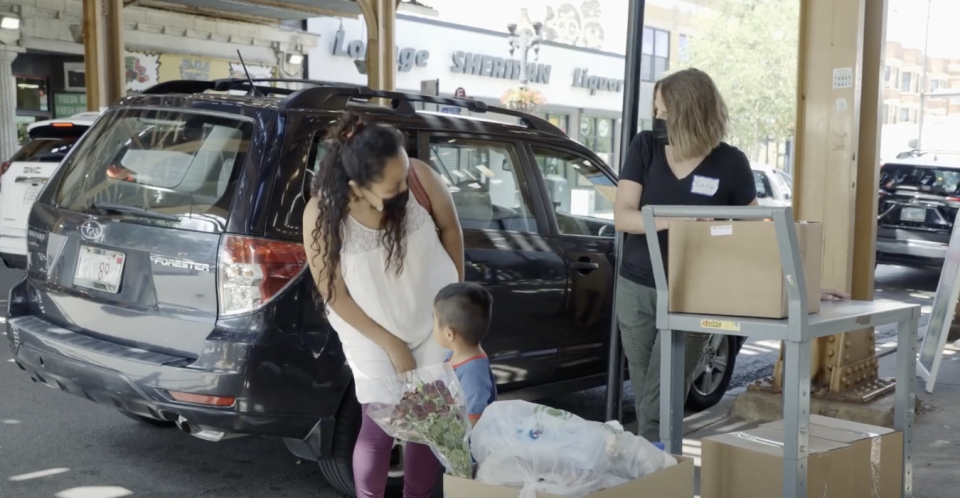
x: 903, y: 76
x: 583, y: 86
x: 42, y: 66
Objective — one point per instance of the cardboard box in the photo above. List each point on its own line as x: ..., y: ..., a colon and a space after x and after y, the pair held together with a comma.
x: 879, y: 452
x: 675, y: 482
x: 749, y: 464
x: 733, y: 268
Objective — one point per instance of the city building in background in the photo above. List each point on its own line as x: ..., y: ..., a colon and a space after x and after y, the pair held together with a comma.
x: 577, y: 73
x: 44, y: 54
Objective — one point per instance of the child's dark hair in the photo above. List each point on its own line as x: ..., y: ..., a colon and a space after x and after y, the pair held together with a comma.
x: 466, y: 309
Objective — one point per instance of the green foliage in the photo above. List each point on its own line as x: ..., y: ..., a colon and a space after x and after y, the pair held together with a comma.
x: 750, y: 48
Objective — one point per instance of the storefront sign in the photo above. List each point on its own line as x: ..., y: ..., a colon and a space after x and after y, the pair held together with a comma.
x: 583, y: 79
x: 194, y: 69
x: 146, y: 70
x: 68, y: 104
x: 357, y: 49
x: 497, y: 67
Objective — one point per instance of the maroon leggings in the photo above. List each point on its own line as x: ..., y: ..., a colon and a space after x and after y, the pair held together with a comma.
x: 371, y: 462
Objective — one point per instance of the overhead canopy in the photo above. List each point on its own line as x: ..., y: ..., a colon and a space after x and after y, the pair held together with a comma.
x: 278, y: 10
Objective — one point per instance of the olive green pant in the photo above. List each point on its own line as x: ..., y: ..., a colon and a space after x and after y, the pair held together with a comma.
x: 637, y: 316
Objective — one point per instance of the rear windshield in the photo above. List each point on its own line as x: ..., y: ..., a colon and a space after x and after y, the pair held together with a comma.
x: 178, y: 167
x: 921, y: 178
x: 49, y: 144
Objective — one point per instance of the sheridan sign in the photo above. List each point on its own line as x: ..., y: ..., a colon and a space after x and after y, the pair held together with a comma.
x: 498, y: 67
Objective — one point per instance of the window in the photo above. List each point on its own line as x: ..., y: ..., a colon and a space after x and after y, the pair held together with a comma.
x: 561, y: 121
x: 482, y: 177
x: 597, y: 135
x: 683, y: 42
x: 581, y: 194
x: 179, y: 167
x: 905, y: 81
x: 32, y: 94
x: 884, y: 113
x: 934, y: 84
x: 656, y: 54
x: 904, y: 114
x: 764, y: 190
x: 48, y: 144
x: 886, y: 74
x: 954, y: 100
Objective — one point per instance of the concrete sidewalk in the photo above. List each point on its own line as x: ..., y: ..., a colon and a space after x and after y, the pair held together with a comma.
x: 936, y: 436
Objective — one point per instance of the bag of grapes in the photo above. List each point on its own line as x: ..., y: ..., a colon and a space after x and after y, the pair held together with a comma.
x: 427, y: 406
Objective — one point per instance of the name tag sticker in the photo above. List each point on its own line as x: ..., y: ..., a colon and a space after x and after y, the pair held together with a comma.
x: 704, y: 185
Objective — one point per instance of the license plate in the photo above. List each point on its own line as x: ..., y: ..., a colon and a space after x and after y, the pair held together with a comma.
x: 99, y: 269
x: 913, y: 214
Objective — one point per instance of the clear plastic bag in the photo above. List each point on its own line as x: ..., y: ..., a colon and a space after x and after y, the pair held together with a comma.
x: 537, y: 448
x: 631, y: 456
x: 427, y: 406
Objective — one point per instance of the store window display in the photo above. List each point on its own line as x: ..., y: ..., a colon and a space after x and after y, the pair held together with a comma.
x: 597, y: 134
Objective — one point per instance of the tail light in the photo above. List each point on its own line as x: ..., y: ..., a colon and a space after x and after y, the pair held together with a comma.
x: 953, y: 199
x: 4, y: 166
x: 251, y: 271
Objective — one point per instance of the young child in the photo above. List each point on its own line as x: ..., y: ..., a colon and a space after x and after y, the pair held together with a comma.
x: 461, y: 319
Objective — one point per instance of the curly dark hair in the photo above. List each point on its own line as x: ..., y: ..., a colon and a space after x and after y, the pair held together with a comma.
x: 356, y: 151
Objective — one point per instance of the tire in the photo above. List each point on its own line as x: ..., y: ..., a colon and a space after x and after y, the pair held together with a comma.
x: 706, y: 391
x: 338, y: 469
x: 163, y: 424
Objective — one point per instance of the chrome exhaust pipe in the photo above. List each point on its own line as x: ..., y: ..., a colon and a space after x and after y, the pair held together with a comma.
x: 204, y: 433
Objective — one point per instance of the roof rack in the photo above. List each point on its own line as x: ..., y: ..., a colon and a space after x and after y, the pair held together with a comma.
x: 227, y: 84
x: 336, y: 97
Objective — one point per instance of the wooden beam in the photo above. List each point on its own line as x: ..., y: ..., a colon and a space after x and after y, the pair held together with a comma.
x: 837, y: 172
x: 381, y: 59
x: 104, y: 52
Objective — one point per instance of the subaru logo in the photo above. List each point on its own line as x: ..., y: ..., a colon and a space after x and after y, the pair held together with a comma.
x: 91, y: 230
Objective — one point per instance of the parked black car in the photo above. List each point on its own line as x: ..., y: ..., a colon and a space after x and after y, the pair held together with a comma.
x: 919, y: 199
x: 166, y: 274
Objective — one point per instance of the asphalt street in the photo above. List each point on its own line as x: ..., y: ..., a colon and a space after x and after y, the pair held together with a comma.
x: 57, y: 445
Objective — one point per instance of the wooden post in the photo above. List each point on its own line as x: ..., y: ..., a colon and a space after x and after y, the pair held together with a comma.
x: 839, y: 93
x: 104, y: 52
x: 381, y: 58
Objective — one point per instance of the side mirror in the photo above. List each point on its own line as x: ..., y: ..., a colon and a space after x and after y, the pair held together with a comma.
x: 912, y: 143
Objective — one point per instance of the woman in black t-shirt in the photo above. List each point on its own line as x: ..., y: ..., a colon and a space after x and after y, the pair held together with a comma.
x: 683, y: 161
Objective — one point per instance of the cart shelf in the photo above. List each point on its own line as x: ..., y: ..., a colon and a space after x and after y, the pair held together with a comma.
x: 797, y: 331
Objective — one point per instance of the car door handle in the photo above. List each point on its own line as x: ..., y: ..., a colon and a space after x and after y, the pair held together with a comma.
x: 584, y: 265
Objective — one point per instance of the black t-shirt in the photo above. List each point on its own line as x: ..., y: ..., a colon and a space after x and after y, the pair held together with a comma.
x: 724, y: 178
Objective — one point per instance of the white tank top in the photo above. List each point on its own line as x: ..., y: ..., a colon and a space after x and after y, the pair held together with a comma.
x: 402, y: 304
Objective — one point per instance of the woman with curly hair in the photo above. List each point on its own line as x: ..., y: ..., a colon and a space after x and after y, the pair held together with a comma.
x: 379, y: 255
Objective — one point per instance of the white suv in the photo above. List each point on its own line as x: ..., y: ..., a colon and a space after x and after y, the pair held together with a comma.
x: 22, y: 177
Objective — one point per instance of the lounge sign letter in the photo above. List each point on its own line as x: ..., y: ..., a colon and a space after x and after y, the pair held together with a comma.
x: 357, y: 49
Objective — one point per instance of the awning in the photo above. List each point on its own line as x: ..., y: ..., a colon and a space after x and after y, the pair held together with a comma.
x: 281, y: 10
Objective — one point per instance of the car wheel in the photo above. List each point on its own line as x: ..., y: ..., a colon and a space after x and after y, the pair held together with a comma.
x: 338, y: 469
x: 712, y: 382
x: 150, y: 421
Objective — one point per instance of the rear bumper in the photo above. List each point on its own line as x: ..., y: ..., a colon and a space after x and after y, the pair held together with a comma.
x: 905, y: 244
x: 137, y: 381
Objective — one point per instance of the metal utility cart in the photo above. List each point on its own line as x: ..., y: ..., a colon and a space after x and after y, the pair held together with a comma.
x: 797, y: 332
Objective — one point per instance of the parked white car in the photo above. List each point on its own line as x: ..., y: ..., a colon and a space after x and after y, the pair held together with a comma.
x: 774, y: 187
x: 22, y: 177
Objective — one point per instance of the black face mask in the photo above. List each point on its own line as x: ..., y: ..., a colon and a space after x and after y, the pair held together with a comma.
x: 660, y: 131
x: 397, y: 202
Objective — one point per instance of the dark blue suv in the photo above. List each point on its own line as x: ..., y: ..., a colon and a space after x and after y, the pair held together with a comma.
x: 166, y: 275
